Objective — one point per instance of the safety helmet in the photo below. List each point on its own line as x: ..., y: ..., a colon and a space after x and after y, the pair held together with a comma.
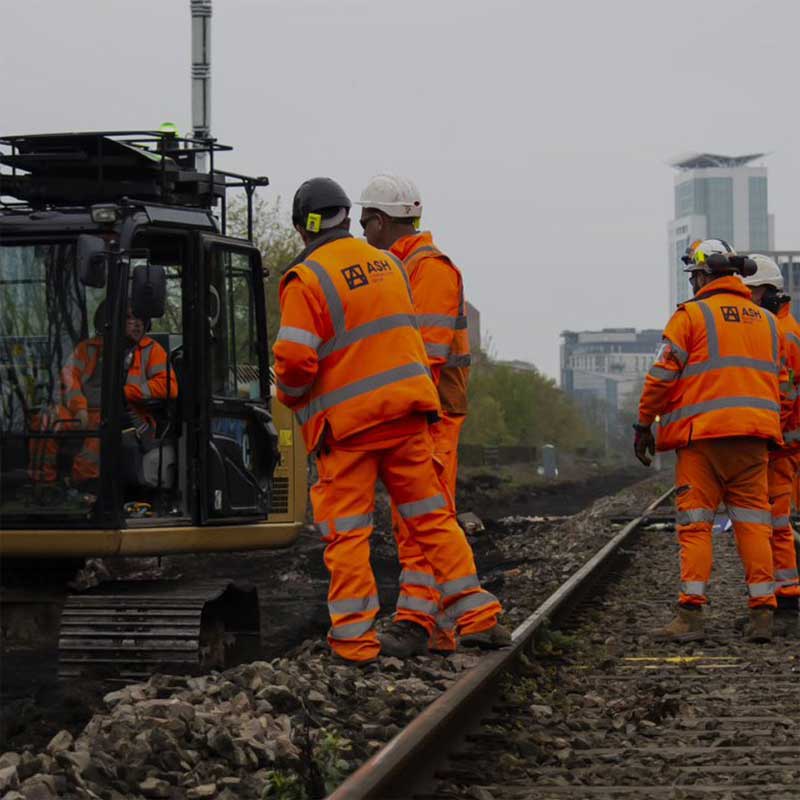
x: 699, y: 256
x: 395, y: 195
x: 320, y: 204
x: 768, y: 273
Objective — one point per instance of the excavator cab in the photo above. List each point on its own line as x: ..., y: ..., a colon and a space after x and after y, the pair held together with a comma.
x: 136, y: 415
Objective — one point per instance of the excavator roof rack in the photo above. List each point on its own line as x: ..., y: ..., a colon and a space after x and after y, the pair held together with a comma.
x: 74, y: 169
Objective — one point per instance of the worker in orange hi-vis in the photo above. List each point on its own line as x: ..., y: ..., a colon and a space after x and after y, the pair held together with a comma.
x: 390, y: 217
x: 766, y: 287
x: 146, y: 378
x: 350, y: 362
x: 715, y: 385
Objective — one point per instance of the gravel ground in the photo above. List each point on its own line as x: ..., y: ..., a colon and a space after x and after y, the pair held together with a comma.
x: 292, y: 727
x: 603, y: 711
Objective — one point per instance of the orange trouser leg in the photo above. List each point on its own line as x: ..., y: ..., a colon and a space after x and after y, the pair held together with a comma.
x: 343, y: 500
x: 736, y: 471
x: 742, y: 463
x: 419, y: 594
x: 423, y: 501
x: 86, y: 465
x: 699, y: 494
x: 780, y: 476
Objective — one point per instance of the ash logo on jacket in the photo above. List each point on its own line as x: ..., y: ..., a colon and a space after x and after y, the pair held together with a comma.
x: 356, y: 277
x: 730, y: 313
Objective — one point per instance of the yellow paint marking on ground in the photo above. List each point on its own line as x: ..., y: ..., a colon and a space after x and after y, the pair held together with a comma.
x: 681, y: 659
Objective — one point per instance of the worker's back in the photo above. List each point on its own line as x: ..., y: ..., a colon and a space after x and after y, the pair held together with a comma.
x: 728, y: 386
x: 372, y: 365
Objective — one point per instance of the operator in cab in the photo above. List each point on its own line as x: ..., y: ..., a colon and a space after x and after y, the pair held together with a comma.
x: 147, y: 377
x: 715, y: 387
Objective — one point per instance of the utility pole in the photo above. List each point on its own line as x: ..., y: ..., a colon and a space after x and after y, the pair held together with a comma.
x: 201, y: 73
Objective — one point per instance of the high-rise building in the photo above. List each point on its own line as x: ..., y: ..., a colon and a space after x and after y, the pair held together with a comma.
x: 717, y: 197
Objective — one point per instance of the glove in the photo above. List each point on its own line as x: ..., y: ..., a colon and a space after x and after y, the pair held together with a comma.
x: 643, y: 443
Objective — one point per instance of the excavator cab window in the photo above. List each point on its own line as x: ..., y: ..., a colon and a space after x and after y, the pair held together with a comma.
x: 51, y: 358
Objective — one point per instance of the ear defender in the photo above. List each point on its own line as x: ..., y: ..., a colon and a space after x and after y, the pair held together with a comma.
x: 314, y: 222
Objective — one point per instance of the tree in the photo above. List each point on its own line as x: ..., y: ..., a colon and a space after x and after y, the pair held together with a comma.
x: 278, y: 242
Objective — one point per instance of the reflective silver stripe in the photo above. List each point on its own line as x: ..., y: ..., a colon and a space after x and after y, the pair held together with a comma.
x: 367, y: 329
x: 351, y: 630
x: 417, y: 604
x: 332, y: 298
x: 89, y: 455
x: 468, y: 603
x: 457, y: 585
x: 426, y: 248
x: 718, y: 404
x: 365, y: 385
x: 402, y: 270
x: 725, y: 362
x: 679, y: 353
x: 663, y: 374
x: 293, y: 391
x: 419, y: 507
x: 324, y: 528
x: 690, y: 515
x: 347, y: 524
x: 145, y: 389
x: 298, y: 336
x: 157, y: 370
x: 780, y: 522
x: 786, y: 574
x: 773, y: 326
x: 438, y: 321
x: 792, y: 436
x: 437, y: 350
x: 755, y: 515
x: 73, y: 361
x: 761, y: 589
x: 794, y: 337
x: 354, y: 605
x: 71, y: 395
x: 412, y: 577
x: 458, y: 361
x: 444, y: 623
x: 693, y: 587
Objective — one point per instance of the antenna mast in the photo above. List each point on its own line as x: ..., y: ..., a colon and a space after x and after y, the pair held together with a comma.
x: 201, y: 73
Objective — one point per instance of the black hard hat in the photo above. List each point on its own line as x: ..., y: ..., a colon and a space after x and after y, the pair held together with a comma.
x: 318, y: 204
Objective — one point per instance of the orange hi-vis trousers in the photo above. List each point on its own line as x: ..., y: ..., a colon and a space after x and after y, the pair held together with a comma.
x: 343, y: 499
x: 733, y: 471
x: 419, y: 593
x: 43, y: 453
x: 780, y: 481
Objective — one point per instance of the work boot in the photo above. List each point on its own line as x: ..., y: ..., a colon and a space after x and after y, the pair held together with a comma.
x: 490, y: 639
x: 404, y: 639
x: 760, y: 627
x: 686, y: 626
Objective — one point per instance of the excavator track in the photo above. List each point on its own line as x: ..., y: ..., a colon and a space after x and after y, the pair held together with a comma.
x: 127, y: 630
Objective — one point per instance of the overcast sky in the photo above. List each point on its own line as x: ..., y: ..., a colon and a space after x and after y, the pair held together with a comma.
x: 537, y: 132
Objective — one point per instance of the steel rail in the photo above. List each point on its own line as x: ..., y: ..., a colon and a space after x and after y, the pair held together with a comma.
x: 410, y: 753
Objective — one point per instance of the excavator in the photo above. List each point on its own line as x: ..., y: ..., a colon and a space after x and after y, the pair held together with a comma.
x: 94, y: 228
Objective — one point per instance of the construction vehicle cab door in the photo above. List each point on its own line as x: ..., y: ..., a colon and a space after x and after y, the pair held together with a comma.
x: 237, y: 444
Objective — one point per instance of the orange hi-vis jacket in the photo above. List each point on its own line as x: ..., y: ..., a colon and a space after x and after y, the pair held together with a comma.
x: 790, y: 329
x: 718, y: 371
x: 438, y: 291
x: 348, y: 354
x: 146, y: 378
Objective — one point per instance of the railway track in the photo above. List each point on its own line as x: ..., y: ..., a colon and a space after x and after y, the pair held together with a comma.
x: 598, y: 710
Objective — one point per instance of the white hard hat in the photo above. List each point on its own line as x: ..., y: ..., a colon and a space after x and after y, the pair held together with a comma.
x: 395, y: 195
x: 768, y: 273
x: 697, y: 255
